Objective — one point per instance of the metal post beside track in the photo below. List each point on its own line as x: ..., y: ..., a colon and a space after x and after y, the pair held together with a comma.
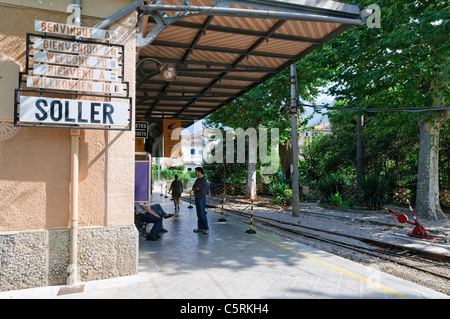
x: 190, y: 197
x: 251, y: 231
x: 222, y: 219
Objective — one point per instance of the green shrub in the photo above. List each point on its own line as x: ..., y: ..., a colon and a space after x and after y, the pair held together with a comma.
x: 287, y: 194
x: 279, y: 200
x: 330, y: 184
x: 374, y: 191
x: 349, y: 202
x: 285, y: 198
x: 191, y: 174
x: 277, y: 188
x: 282, y: 193
x: 336, y: 199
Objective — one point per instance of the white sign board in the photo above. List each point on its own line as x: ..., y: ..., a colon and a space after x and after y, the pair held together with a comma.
x: 65, y: 111
x: 62, y: 64
x: 141, y: 130
x: 75, y: 60
x: 76, y: 31
x: 76, y: 47
x: 73, y: 85
x: 78, y: 73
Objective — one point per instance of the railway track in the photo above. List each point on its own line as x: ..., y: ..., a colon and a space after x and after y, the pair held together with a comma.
x: 425, y: 261
x: 394, y: 253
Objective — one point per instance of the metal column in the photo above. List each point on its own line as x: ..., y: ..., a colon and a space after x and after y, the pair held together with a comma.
x: 294, y: 139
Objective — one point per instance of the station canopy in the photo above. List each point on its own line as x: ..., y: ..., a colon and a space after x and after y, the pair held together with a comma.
x: 224, y: 48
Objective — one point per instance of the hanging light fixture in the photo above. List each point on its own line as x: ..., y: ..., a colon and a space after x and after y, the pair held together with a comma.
x: 167, y: 70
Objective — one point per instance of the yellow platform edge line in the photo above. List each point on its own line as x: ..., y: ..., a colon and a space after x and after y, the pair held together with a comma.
x: 334, y: 267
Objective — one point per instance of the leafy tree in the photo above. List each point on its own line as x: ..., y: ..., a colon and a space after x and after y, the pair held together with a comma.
x: 220, y: 173
x: 267, y: 105
x: 403, y: 64
x: 444, y: 164
x: 388, y: 151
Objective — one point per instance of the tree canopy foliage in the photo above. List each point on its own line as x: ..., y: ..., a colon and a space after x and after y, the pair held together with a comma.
x: 402, y: 64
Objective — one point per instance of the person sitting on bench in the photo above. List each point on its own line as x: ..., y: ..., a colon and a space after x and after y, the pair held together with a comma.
x: 154, y: 214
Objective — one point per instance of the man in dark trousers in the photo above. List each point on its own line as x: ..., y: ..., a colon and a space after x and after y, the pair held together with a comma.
x: 200, y: 189
x: 177, y: 188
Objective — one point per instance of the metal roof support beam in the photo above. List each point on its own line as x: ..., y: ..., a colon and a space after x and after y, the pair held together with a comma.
x: 217, y: 49
x: 225, y: 66
x: 273, y: 29
x: 312, y: 6
x: 197, y: 85
x: 197, y: 38
x: 187, y: 11
x: 188, y: 97
x: 119, y: 14
x: 252, y: 13
x: 255, y: 33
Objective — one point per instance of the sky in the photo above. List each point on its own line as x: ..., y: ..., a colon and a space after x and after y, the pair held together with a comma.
x: 318, y: 117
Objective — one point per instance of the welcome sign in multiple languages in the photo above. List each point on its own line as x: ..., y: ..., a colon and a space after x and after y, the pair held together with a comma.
x: 78, y: 66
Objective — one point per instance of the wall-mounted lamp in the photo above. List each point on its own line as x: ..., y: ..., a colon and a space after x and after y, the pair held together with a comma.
x: 167, y: 70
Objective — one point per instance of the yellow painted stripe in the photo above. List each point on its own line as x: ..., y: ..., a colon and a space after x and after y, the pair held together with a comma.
x: 334, y: 267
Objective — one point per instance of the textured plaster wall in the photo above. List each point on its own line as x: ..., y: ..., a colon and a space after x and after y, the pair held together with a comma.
x: 35, y: 170
x: 104, y: 252
x: 34, y: 180
x: 35, y: 164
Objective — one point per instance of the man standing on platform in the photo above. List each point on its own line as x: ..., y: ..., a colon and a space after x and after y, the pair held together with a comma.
x: 200, y: 189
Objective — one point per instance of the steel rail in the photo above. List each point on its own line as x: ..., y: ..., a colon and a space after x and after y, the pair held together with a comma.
x: 376, y: 253
x: 428, y: 257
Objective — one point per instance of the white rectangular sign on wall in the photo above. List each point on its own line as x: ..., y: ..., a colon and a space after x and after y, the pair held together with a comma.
x: 75, y: 60
x: 77, y: 73
x: 76, y: 31
x: 73, y: 85
x: 91, y: 73
x: 76, y: 47
x: 65, y: 111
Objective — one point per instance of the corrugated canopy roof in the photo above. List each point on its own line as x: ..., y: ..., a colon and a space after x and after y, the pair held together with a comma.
x: 223, y: 49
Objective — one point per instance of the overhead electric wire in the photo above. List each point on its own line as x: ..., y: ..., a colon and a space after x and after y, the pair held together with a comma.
x: 393, y: 109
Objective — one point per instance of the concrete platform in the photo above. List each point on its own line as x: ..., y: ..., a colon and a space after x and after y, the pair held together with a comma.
x: 229, y: 263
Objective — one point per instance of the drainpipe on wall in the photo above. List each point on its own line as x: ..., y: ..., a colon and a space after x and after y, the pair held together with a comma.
x: 75, y: 136
x: 73, y: 268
